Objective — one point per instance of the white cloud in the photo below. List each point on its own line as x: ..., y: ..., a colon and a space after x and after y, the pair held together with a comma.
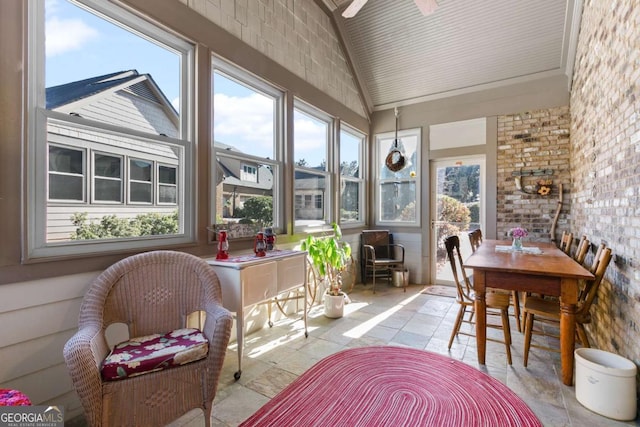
x: 245, y: 123
x: 63, y: 35
x: 176, y: 103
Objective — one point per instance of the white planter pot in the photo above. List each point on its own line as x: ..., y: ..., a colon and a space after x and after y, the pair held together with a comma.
x: 334, y: 306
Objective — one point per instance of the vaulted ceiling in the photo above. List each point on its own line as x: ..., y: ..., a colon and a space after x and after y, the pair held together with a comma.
x: 401, y: 57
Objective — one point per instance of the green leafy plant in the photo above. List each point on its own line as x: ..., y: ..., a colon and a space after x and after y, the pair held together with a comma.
x: 330, y: 256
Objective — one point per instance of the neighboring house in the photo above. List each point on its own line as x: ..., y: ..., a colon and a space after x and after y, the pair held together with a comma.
x: 100, y: 173
x: 241, y: 180
x: 310, y: 195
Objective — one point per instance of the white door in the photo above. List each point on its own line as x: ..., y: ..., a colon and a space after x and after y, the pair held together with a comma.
x: 457, y: 186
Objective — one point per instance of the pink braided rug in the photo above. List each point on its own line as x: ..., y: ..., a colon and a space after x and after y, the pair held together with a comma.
x: 393, y: 386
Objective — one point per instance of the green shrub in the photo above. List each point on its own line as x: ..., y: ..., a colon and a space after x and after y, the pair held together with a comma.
x: 110, y: 226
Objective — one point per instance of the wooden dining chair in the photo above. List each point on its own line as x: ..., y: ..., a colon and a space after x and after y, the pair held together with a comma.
x: 582, y: 249
x: 565, y: 242
x: 497, y: 303
x: 548, y: 310
x: 475, y: 239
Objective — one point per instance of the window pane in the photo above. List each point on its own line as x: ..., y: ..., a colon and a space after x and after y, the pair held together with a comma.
x: 243, y: 118
x: 167, y: 194
x: 107, y: 166
x: 311, y: 137
x: 313, y: 188
x: 66, y: 187
x: 349, y: 154
x: 65, y: 160
x: 167, y: 175
x: 398, y: 191
x: 246, y: 116
x: 107, y: 190
x: 398, y: 201
x: 351, y: 181
x: 86, y: 53
x: 108, y: 83
x: 350, y: 201
x: 140, y: 192
x: 140, y: 171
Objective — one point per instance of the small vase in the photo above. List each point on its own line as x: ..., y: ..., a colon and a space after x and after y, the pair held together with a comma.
x: 517, y: 244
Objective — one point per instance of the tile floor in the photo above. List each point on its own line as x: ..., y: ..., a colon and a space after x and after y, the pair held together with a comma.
x: 274, y: 357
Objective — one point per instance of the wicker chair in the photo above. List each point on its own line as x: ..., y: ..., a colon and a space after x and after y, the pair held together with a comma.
x: 152, y: 292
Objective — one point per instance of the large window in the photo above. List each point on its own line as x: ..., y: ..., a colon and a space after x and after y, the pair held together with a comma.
x: 110, y: 131
x: 312, y: 133
x: 397, y: 192
x: 247, y: 147
x: 351, y: 176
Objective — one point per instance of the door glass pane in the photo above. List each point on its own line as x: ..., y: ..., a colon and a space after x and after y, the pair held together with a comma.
x: 457, y: 209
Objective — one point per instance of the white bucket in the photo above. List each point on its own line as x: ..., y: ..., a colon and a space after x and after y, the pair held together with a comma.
x: 606, y: 383
x: 400, y: 278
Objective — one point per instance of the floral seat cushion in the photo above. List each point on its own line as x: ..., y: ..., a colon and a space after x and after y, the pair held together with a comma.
x: 151, y: 353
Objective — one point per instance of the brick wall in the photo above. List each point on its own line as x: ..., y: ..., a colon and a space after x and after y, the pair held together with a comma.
x: 605, y: 163
x: 296, y: 34
x: 533, y: 141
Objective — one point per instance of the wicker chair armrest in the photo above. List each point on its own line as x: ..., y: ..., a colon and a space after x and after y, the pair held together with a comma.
x: 400, y: 247
x: 218, y: 324
x: 83, y: 354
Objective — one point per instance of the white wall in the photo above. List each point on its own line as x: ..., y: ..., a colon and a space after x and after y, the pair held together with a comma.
x: 37, y: 318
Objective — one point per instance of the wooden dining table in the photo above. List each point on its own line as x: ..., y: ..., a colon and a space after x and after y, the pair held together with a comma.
x: 550, y: 272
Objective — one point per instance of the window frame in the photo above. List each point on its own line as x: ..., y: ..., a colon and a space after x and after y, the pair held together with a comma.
x: 83, y: 175
x: 150, y: 183
x: 36, y: 204
x: 379, y: 138
x: 160, y: 184
x: 94, y: 176
x: 360, y: 180
x: 252, y: 82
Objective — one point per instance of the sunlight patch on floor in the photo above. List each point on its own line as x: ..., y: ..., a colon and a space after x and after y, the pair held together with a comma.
x: 366, y: 326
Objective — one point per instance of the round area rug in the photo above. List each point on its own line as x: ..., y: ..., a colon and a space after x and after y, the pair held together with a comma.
x: 393, y: 386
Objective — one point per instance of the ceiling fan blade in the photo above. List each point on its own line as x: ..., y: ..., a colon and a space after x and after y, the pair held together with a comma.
x: 353, y: 8
x: 427, y: 7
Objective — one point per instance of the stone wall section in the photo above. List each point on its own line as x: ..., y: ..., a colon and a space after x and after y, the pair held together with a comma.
x: 605, y: 163
x: 296, y: 34
x: 533, y: 141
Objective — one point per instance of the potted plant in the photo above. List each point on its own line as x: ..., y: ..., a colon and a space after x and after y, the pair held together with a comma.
x: 330, y: 257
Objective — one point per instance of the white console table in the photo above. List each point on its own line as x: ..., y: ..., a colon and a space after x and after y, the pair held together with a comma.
x: 248, y: 280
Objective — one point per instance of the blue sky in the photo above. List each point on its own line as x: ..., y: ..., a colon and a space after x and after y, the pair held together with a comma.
x: 80, y: 45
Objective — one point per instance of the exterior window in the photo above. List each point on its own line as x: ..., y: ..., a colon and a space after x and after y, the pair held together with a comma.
x: 140, y: 181
x: 397, y: 191
x: 66, y: 174
x: 351, y: 176
x: 249, y: 173
x: 107, y: 178
x: 247, y: 162
x: 312, y: 139
x: 167, y: 185
x: 116, y: 126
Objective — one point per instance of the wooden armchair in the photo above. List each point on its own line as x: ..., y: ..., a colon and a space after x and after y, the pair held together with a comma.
x: 151, y: 293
